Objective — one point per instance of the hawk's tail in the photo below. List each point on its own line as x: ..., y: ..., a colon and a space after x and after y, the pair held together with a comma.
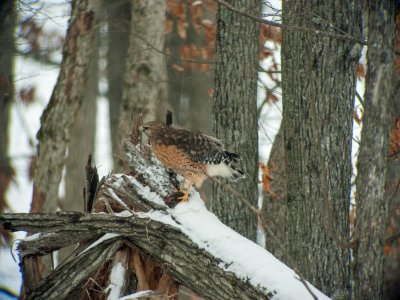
x: 231, y: 160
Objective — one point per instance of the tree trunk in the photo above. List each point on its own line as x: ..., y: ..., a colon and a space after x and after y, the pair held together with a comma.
x: 118, y: 20
x: 235, y: 111
x: 64, y: 104
x: 83, y: 134
x: 145, y: 76
x: 7, y: 24
x: 370, y: 226
x: 318, y: 75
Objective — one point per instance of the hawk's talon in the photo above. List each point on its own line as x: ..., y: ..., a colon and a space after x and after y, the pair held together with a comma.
x: 173, y: 199
x: 184, y: 198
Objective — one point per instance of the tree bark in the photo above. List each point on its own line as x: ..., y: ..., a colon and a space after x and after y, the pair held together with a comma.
x: 370, y: 226
x: 144, y: 87
x: 318, y: 75
x: 64, y: 104
x: 118, y: 20
x: 7, y: 25
x: 235, y: 110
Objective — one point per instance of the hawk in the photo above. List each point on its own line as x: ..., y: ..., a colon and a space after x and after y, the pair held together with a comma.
x: 193, y: 155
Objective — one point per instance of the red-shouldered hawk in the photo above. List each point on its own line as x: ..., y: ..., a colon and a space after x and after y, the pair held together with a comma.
x: 193, y: 155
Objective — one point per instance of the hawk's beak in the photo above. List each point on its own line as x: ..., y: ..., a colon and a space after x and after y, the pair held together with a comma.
x: 140, y: 128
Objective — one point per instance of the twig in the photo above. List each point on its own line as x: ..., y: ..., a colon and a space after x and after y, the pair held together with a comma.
x: 291, y: 27
x: 209, y: 62
x: 360, y: 99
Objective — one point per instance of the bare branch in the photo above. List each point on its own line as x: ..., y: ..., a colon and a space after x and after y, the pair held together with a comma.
x: 283, y: 26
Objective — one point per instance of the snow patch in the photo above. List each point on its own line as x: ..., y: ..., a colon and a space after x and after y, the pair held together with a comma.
x: 138, y: 295
x: 105, y: 237
x: 145, y: 191
x: 32, y: 237
x: 116, y: 279
x: 116, y: 198
x: 124, y: 213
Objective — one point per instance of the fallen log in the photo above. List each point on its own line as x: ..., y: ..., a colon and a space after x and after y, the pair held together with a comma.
x: 132, y: 231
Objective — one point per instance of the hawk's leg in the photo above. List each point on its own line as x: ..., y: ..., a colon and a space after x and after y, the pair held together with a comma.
x: 182, y: 188
x: 185, y: 196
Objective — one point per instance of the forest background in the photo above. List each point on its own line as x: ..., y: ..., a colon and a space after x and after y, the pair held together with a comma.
x: 180, y: 67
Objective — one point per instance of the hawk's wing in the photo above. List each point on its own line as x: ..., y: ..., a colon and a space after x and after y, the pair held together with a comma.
x: 199, y: 147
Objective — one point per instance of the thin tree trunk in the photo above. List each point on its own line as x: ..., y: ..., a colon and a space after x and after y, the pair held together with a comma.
x: 64, y: 104
x: 318, y: 75
x: 392, y: 196
x: 57, y: 119
x: 392, y: 182
x: 235, y: 110
x: 370, y: 226
x: 118, y: 20
x: 7, y: 24
x: 83, y: 134
x: 144, y: 85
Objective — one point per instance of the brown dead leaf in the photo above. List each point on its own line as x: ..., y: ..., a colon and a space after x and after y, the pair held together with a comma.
x: 360, y: 71
x: 178, y: 68
x: 265, y: 177
x: 387, y: 250
x: 358, y: 118
x: 181, y: 27
x: 27, y: 94
x: 394, y: 146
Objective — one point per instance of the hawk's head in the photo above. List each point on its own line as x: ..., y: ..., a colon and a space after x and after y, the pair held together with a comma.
x: 151, y: 128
